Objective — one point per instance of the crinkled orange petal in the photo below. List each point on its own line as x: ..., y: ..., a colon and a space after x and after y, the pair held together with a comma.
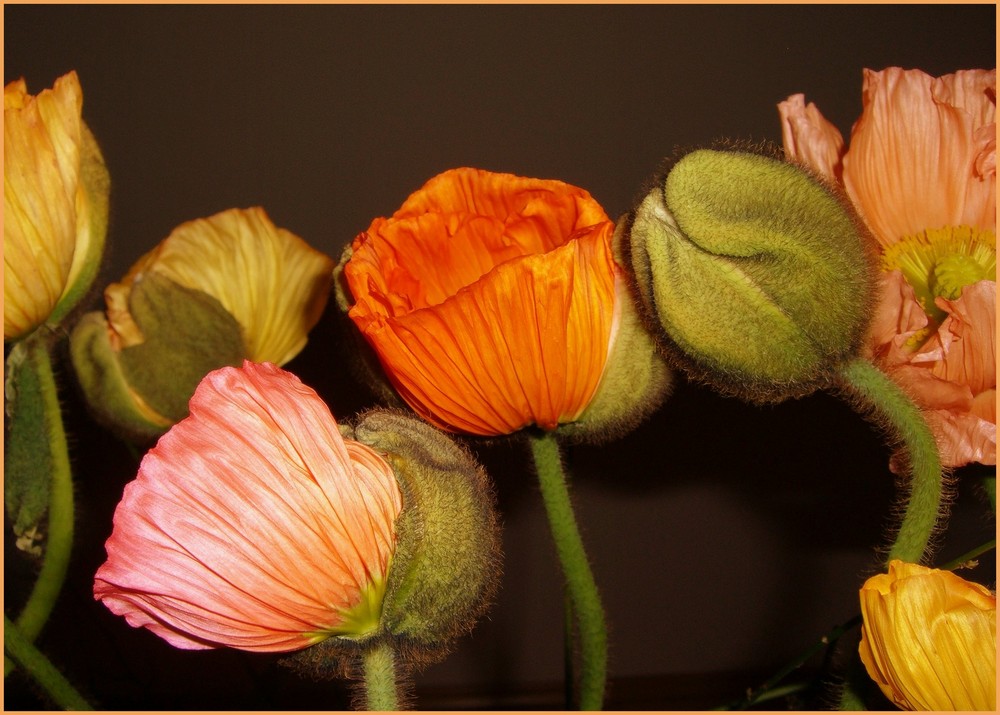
x: 919, y: 155
x: 252, y: 524
x: 543, y: 210
x: 810, y: 139
x: 524, y: 344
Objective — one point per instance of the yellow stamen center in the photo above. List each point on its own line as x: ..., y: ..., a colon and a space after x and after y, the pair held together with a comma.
x: 941, y: 262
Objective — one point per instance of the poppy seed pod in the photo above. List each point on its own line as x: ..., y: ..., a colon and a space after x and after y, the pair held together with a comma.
x: 760, y: 276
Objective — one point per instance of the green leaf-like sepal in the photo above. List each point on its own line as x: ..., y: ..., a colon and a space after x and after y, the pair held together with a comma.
x: 446, y: 564
x: 187, y: 335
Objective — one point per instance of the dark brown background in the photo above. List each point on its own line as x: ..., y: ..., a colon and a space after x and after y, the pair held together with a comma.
x: 726, y: 539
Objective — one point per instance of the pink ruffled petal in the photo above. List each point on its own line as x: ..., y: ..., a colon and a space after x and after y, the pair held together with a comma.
x: 810, y: 139
x: 897, y: 319
x: 917, y: 152
x: 964, y: 348
x: 964, y: 437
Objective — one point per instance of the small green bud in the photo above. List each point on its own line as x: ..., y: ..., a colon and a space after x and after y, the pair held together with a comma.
x: 760, y: 276
x: 141, y: 389
x: 446, y: 565
x: 636, y: 378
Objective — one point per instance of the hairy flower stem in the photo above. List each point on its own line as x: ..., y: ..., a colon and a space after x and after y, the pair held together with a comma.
x: 34, y: 662
x: 584, y: 598
x: 873, y: 392
x: 380, y: 679
x: 902, y: 418
x: 60, y: 511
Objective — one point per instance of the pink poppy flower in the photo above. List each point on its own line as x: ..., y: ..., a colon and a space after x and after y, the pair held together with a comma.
x: 253, y: 524
x: 921, y: 171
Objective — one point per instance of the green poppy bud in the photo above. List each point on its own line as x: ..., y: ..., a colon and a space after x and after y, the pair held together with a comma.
x: 760, y: 276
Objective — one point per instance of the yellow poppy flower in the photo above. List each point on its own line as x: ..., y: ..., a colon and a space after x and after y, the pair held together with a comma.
x: 55, y: 204
x: 216, y: 291
x: 929, y: 639
x: 270, y: 280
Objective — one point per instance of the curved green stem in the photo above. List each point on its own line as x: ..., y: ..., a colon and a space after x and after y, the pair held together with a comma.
x: 586, y: 601
x: 60, y: 511
x: 924, y: 505
x: 41, y: 669
x: 380, y: 678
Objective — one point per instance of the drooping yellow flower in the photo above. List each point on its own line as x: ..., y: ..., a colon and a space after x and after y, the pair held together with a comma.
x: 929, y: 639
x: 217, y: 291
x: 55, y: 204
x: 270, y: 280
x: 921, y: 170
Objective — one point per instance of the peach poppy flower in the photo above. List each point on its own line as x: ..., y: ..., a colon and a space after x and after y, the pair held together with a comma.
x: 55, y: 203
x: 490, y: 300
x: 929, y: 639
x: 253, y: 524
x: 921, y: 171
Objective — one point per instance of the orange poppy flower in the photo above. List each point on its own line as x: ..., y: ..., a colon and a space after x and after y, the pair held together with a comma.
x: 490, y: 300
x: 921, y: 170
x: 253, y: 524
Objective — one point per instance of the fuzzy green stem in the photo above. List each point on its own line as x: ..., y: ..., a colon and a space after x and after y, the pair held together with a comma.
x: 586, y: 601
x: 380, y: 678
x: 60, y: 512
x: 893, y: 408
x: 34, y: 662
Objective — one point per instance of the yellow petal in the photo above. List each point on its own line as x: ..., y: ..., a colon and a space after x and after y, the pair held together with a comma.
x: 929, y: 639
x: 271, y: 281
x: 42, y: 138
